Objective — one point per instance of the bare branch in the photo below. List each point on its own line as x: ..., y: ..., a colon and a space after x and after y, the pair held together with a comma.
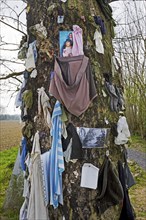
x: 6, y: 16
x: 13, y: 27
x: 11, y: 75
x: 11, y: 61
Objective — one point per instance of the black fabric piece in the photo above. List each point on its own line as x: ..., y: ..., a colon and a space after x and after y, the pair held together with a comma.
x: 114, y: 129
x: 113, y: 96
x: 108, y: 77
x: 77, y: 152
x: 121, y: 103
x: 110, y: 190
x: 129, y: 180
x: 105, y: 8
x: 127, y: 209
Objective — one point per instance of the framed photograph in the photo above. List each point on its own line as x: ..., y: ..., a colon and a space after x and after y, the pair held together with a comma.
x: 65, y: 43
x: 93, y: 137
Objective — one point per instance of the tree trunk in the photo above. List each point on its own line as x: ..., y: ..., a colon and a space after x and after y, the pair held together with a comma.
x: 79, y: 203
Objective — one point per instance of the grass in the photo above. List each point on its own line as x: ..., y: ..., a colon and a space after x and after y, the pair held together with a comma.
x: 10, y: 134
x: 7, y: 160
x: 138, y: 192
x: 138, y: 143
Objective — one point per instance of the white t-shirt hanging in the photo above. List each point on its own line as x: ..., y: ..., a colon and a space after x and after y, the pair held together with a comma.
x: 98, y: 42
x: 89, y: 177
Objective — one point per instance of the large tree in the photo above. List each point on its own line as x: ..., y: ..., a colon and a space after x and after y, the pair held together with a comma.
x: 79, y: 203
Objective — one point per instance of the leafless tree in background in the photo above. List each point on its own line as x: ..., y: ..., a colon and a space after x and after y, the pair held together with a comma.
x: 130, y: 50
x: 13, y: 28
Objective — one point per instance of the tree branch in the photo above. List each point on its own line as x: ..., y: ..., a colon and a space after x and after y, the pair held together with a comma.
x: 13, y: 27
x: 11, y: 75
x: 11, y: 61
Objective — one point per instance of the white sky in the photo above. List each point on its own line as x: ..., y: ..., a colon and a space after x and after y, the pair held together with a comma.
x: 120, y: 11
x: 11, y: 36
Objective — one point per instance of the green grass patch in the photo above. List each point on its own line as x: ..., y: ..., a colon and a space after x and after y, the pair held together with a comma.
x: 7, y: 160
x: 138, y: 143
x: 138, y: 191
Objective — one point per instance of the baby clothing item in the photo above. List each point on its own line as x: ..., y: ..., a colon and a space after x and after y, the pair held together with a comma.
x: 109, y: 191
x: 72, y: 146
x: 77, y: 48
x: 36, y: 206
x: 113, y: 96
x: 31, y: 56
x: 99, y: 21
x: 44, y: 105
x: 123, y: 131
x: 18, y: 100
x: 72, y: 83
x: 56, y: 158
x: 98, y: 42
x: 45, y: 166
x: 23, y: 153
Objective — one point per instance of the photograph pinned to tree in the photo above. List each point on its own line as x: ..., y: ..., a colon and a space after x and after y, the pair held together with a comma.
x: 65, y: 43
x: 93, y: 137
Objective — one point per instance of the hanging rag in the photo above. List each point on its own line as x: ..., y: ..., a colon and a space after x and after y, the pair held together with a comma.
x: 129, y: 180
x: 127, y: 212
x: 31, y: 57
x: 105, y: 8
x: 123, y: 131
x: 18, y: 100
x: 99, y: 21
x: 33, y: 73
x: 98, y: 42
x: 56, y: 158
x: 77, y: 48
x: 72, y: 142
x: 36, y: 208
x: 44, y: 105
x: 23, y: 153
x: 39, y: 30
x: 23, y: 210
x: 121, y: 102
x: 45, y: 168
x: 110, y: 192
x: 27, y: 98
x: 113, y: 96
x: 67, y: 152
x: 72, y: 83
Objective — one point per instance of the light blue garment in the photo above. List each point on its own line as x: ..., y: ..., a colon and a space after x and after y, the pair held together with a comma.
x: 45, y: 165
x: 18, y: 100
x: 23, y: 153
x: 33, y: 45
x: 56, y: 158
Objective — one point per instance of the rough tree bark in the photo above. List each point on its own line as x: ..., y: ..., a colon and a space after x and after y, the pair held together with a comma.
x: 79, y: 203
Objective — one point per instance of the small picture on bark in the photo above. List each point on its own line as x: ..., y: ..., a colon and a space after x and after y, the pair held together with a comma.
x: 93, y: 137
x: 65, y: 43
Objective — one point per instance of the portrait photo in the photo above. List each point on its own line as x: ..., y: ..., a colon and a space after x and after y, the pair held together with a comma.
x: 93, y: 137
x: 65, y: 43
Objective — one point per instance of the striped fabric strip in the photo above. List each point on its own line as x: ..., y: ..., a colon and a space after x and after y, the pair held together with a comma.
x: 56, y: 158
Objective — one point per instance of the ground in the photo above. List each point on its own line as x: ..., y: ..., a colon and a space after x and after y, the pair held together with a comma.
x: 10, y: 136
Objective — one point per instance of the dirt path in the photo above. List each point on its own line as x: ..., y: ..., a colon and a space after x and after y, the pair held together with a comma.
x: 138, y: 157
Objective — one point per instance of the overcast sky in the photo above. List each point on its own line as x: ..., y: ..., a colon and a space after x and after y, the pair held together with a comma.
x: 120, y: 14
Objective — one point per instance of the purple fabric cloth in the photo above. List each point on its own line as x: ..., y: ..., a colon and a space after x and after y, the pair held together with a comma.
x: 99, y: 21
x: 77, y: 48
